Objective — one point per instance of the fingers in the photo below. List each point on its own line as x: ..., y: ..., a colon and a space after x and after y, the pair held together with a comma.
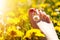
x: 44, y: 17
x: 36, y: 16
x: 32, y: 13
x: 48, y: 19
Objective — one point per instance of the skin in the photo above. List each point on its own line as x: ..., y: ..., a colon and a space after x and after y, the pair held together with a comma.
x: 42, y: 17
x: 43, y: 23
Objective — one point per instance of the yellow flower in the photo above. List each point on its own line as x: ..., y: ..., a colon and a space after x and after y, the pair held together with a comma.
x: 54, y: 0
x: 54, y: 21
x: 21, y: 10
x: 12, y: 31
x: 54, y: 13
x: 53, y: 6
x: 58, y: 23
x: 57, y: 4
x: 59, y: 8
x: 19, y: 33
x: 49, y: 10
x: 12, y: 20
x: 2, y: 38
x: 25, y: 17
x: 43, y: 5
x: 57, y: 28
x: 34, y: 5
x: 36, y: 31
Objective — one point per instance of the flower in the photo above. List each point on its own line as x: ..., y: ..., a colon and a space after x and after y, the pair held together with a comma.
x: 44, y: 5
x: 12, y: 21
x: 57, y: 28
x: 36, y: 31
x: 54, y: 21
x: 54, y: 14
x: 49, y: 10
x: 58, y: 23
x: 12, y: 31
x: 57, y: 3
x: 2, y: 38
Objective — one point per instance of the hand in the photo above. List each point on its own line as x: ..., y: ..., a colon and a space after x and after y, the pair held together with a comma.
x: 36, y: 16
x: 47, y: 29
x: 42, y: 21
